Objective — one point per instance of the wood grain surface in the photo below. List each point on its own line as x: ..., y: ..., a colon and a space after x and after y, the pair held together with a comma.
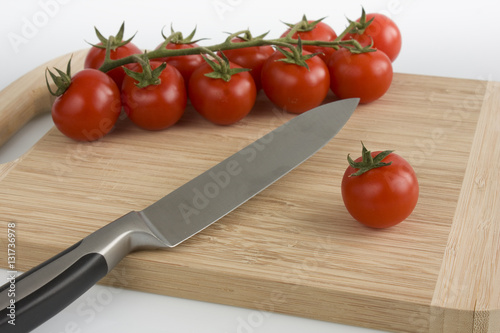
x: 293, y: 248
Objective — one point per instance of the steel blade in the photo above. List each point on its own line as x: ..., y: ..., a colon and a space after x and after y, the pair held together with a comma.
x: 216, y: 192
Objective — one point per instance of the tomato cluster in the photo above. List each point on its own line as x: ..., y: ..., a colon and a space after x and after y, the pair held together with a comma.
x: 379, y: 189
x: 223, y: 86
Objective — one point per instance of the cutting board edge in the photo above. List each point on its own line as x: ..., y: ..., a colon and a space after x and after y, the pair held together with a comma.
x: 482, y: 310
x: 5, y: 168
x: 274, y: 296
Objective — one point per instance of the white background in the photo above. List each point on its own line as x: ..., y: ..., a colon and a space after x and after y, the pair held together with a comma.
x: 444, y: 38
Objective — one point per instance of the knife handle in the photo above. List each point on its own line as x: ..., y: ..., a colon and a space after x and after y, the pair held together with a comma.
x: 47, y: 301
x: 45, y: 290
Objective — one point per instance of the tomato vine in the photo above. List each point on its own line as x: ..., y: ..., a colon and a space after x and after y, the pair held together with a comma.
x: 285, y: 42
x: 295, y: 71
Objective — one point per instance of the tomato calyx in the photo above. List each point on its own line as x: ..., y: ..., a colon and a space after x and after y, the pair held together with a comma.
x: 303, y: 25
x: 357, y: 28
x: 221, y: 67
x: 355, y: 47
x: 148, y: 76
x: 62, y: 82
x: 368, y: 161
x: 245, y: 35
x: 176, y: 37
x: 360, y: 27
x: 113, y: 42
x: 296, y: 56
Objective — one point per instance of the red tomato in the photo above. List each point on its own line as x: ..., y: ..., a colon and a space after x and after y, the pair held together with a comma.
x: 384, y: 32
x: 295, y: 88
x: 89, y: 108
x: 222, y: 102
x: 367, y: 76
x: 250, y: 57
x: 95, y: 59
x: 381, y: 197
x: 321, y: 31
x: 155, y: 107
x: 187, y: 64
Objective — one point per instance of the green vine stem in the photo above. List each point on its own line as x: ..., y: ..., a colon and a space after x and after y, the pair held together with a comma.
x: 285, y: 42
x: 351, y: 26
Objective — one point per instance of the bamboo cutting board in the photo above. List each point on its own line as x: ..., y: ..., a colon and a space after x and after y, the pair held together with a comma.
x: 292, y: 249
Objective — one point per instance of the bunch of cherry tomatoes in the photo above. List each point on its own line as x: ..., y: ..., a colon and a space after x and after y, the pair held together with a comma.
x: 379, y: 189
x: 222, y: 86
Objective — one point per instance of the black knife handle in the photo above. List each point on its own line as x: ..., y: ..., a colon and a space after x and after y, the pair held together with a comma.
x: 48, y: 288
x: 47, y: 301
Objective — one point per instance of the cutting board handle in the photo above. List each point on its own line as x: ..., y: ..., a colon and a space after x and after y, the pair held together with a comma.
x: 28, y: 96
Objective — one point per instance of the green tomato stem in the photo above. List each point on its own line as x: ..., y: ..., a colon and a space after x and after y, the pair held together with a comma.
x: 224, y: 66
x: 247, y: 34
x: 368, y: 162
x: 167, y: 40
x: 107, y: 55
x: 286, y: 42
x: 346, y: 31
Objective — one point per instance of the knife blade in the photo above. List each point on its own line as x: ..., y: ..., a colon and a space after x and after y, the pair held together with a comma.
x: 37, y: 295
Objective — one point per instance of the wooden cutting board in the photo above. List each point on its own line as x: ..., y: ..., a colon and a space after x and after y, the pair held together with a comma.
x: 292, y: 249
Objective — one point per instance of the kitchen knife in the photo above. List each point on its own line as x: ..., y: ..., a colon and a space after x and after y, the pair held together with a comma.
x: 34, y: 297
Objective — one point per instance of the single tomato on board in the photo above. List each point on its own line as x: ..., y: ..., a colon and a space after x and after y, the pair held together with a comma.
x: 295, y: 85
x: 379, y: 189
x: 87, y: 105
x: 366, y: 75
x: 154, y: 95
x: 222, y: 92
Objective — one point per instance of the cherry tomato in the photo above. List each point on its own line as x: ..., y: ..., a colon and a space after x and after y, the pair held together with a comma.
x: 250, y: 57
x: 367, y: 76
x: 381, y: 197
x: 157, y: 106
x: 222, y: 102
x: 292, y: 87
x: 187, y: 64
x: 384, y: 33
x: 95, y: 59
x: 89, y: 108
x: 321, y: 31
